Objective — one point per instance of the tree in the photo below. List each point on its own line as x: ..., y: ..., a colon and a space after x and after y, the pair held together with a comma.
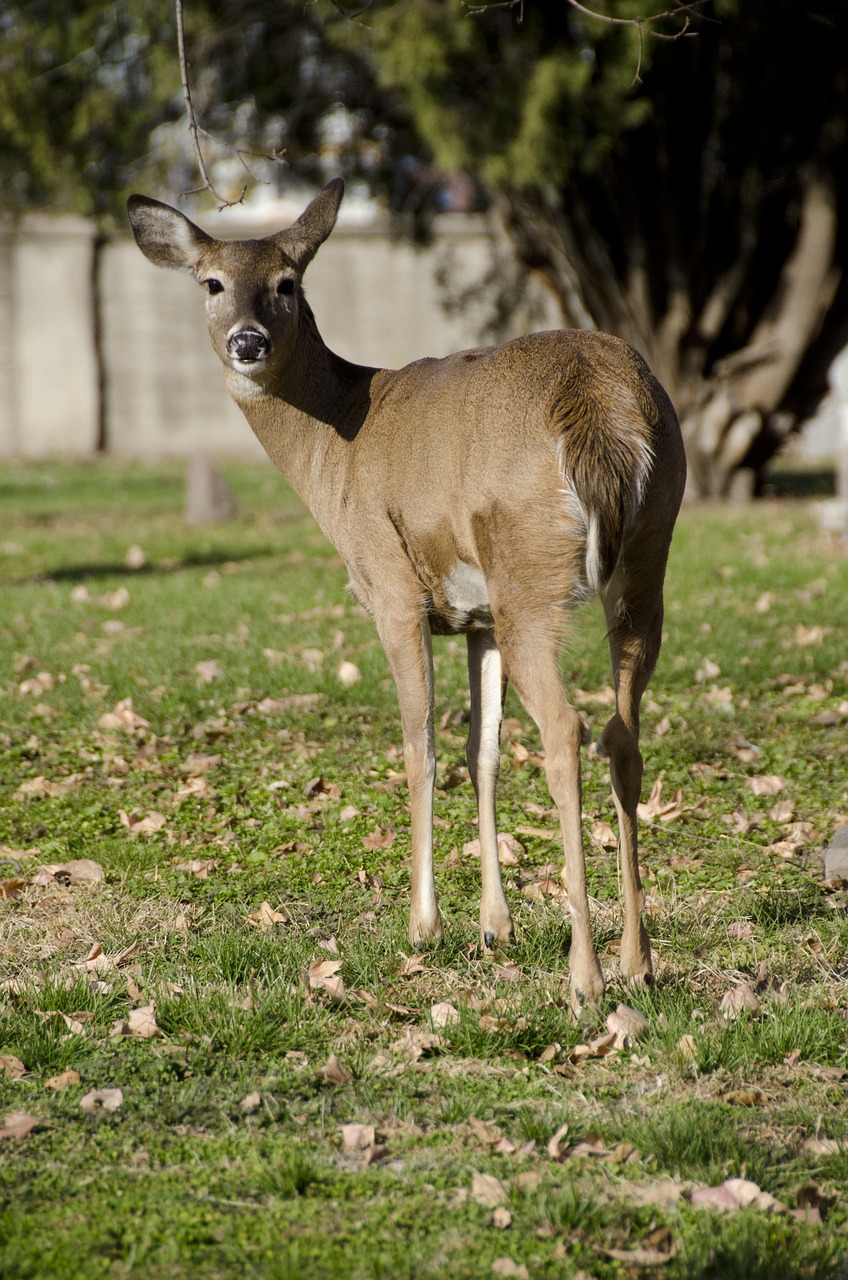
x: 702, y: 214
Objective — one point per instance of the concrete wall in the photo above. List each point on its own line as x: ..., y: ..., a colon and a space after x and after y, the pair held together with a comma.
x: 49, y: 381
x: 375, y: 298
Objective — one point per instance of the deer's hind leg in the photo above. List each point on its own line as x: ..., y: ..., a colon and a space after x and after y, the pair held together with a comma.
x: 488, y: 689
x: 633, y: 605
x: 530, y: 647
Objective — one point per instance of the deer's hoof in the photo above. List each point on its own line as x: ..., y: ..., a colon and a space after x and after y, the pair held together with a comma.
x: 425, y: 933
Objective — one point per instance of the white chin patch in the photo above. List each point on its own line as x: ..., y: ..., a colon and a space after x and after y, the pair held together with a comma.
x: 250, y: 368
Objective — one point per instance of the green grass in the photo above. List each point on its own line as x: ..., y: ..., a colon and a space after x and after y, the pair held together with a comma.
x: 226, y: 1157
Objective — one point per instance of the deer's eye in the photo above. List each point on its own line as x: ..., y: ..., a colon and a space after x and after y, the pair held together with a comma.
x: 214, y: 286
x: 286, y: 285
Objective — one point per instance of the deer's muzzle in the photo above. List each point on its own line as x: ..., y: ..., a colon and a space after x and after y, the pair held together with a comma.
x: 248, y: 345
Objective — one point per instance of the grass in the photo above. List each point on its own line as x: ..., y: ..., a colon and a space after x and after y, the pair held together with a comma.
x: 227, y: 1156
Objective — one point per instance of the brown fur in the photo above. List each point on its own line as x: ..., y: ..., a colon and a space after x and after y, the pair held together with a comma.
x: 486, y: 493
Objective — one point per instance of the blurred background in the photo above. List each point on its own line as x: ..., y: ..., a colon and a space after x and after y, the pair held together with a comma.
x: 681, y: 182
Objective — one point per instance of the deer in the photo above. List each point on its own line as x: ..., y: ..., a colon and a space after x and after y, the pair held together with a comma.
x: 488, y: 494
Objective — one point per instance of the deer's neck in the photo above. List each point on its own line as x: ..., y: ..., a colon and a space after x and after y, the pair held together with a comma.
x: 306, y: 418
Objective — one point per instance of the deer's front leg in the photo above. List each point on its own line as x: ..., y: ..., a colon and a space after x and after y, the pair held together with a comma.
x: 485, y: 673
x: 408, y: 647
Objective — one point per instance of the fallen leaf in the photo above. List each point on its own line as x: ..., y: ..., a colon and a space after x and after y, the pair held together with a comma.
x: 656, y: 807
x: 102, y: 1099
x: 123, y: 717
x: 627, y: 1025
x: 739, y: 930
x: 487, y: 1190
x: 767, y: 784
x: 378, y: 839
x: 442, y: 1014
x: 501, y: 1217
x: 641, y: 1257
x: 356, y: 1137
x: 12, y: 1066
x: 250, y: 1102
x: 146, y: 826
x: 555, y: 1143
x: 348, y: 674
x: 507, y: 1267
x: 687, y: 1045
x: 61, y: 1081
x: 264, y: 918
x: 600, y: 1047
x: 208, y: 670
x: 604, y: 836
x: 199, y: 867
x: 12, y: 888
x: 17, y: 1124
x: 818, y: 1146
x: 198, y: 762
x: 737, y: 1001
x: 746, y: 1097
x: 333, y: 1072
x: 733, y: 1194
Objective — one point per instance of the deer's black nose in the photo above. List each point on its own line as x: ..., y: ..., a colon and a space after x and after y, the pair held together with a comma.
x: 247, y: 345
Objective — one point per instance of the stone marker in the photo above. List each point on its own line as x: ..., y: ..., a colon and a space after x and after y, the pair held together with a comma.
x: 208, y: 496
x: 836, y: 856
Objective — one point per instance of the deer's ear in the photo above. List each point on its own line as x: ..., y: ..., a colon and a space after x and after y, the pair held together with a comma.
x: 164, y: 235
x: 302, y: 240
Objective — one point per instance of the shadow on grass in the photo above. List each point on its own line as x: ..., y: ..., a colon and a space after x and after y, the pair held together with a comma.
x: 118, y: 569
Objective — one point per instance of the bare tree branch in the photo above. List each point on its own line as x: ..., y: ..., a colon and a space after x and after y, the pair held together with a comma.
x: 193, y: 127
x: 195, y: 130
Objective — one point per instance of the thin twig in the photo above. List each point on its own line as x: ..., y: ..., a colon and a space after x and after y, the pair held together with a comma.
x: 643, y: 25
x: 193, y: 127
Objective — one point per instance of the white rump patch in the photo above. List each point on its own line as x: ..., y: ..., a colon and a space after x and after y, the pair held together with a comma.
x: 465, y: 589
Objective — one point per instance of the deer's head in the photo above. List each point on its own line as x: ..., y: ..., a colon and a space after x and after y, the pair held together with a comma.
x: 253, y: 287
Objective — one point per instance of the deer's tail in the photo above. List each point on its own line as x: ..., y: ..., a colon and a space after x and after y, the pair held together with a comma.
x: 605, y: 454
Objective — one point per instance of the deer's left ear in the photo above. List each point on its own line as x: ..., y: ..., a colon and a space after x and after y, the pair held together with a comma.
x: 302, y: 240
x: 166, y: 236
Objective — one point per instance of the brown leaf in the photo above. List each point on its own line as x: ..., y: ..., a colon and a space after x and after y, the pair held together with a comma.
x: 146, y: 826
x: 656, y: 807
x: 196, y: 788
x: 626, y: 1024
x: 250, y: 1102
x: 487, y: 1190
x: 17, y: 1124
x: 604, y: 836
x: 141, y: 1022
x: 767, y: 785
x: 501, y: 1217
x: 737, y: 1001
x: 508, y: 1268
x: 123, y: 717
x: 733, y: 1194
x: 12, y: 888
x: 747, y: 1097
x: 348, y: 674
x: 62, y: 1080
x: 12, y: 1066
x: 208, y: 670
x: 378, y: 839
x: 264, y: 918
x: 642, y: 1257
x: 739, y: 930
x: 333, y: 1072
x: 600, y: 1047
x: 442, y: 1014
x: 102, y: 1099
x: 356, y: 1137
x: 199, y: 867
x: 555, y: 1143
x: 198, y: 762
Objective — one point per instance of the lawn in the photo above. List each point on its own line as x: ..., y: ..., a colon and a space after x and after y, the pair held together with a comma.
x: 218, y: 1056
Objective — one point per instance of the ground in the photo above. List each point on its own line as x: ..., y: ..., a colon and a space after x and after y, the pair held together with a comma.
x: 223, y: 1058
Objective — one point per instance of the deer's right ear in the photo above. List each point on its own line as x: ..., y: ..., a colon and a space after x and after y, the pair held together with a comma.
x: 165, y: 236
